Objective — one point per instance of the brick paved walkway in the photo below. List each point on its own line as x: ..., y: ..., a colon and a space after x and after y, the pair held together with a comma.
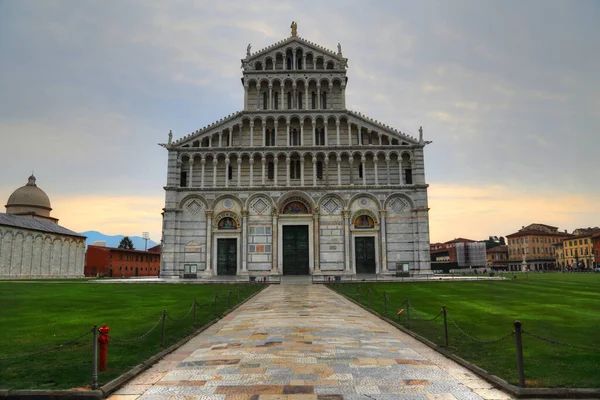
x: 305, y: 342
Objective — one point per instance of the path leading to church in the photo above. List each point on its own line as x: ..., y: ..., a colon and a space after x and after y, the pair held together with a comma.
x: 305, y: 342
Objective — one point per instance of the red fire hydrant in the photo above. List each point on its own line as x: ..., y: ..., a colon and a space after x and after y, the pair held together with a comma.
x: 103, y: 340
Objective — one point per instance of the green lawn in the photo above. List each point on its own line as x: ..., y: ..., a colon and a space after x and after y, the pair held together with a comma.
x: 38, y: 315
x: 561, y: 307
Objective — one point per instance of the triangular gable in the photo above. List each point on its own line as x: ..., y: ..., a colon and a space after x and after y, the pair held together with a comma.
x: 285, y: 42
x: 231, y: 119
x: 379, y: 126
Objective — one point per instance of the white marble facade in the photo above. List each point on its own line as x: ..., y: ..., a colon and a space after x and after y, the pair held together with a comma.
x: 295, y: 156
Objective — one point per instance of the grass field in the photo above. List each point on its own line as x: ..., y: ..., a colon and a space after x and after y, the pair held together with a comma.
x: 561, y: 307
x: 39, y: 315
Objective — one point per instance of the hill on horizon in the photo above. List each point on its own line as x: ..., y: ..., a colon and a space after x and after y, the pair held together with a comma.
x: 114, y: 240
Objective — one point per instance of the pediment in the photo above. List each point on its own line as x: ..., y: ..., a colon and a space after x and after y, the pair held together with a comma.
x: 293, y: 43
x: 228, y: 122
x: 403, y: 137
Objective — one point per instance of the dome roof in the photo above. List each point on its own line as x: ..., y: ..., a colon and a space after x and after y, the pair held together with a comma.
x: 29, y: 196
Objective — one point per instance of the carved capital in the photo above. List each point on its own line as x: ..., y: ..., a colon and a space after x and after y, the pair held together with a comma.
x: 382, y: 212
x: 245, y: 213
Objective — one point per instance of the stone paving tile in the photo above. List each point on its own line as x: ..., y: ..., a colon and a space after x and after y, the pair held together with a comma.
x: 305, y: 342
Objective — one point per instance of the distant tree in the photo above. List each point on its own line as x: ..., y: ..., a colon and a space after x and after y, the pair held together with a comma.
x: 126, y: 243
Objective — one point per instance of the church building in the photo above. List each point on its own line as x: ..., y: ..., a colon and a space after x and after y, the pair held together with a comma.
x: 295, y: 183
x: 32, y: 244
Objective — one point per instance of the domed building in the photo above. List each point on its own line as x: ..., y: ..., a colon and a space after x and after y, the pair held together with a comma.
x: 32, y: 244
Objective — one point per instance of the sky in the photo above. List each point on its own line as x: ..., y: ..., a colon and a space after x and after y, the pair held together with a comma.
x: 509, y: 93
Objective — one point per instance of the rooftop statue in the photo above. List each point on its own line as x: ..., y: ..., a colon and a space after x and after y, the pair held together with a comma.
x: 294, y: 27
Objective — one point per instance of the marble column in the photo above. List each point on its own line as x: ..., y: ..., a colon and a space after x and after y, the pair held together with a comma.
x: 275, y: 164
x: 275, y: 134
x: 338, y: 160
x: 314, y: 133
x: 227, y: 172
x: 318, y: 96
x: 270, y: 96
x: 400, y: 170
x: 251, y: 134
x: 359, y: 133
x: 209, y: 222
x: 274, y: 265
x: 301, y: 139
x: 326, y: 134
x: 375, y: 162
x: 382, y: 233
x: 306, y: 99
x: 203, y: 165
x: 294, y: 97
x: 239, y: 171
x: 264, y: 133
x: 349, y: 134
x: 351, y: 172
x: 314, y: 170
x: 246, y: 86
x: 251, y: 162
x: 191, y: 162
x: 343, y: 97
x: 287, y: 167
x: 215, y: 162
x: 346, y: 216
x: 317, y: 252
x: 302, y: 170
x: 380, y: 139
x: 178, y: 172
x: 244, y: 241
x: 287, y: 128
x: 230, y: 137
x: 220, y: 138
x: 337, y: 132
x: 363, y: 160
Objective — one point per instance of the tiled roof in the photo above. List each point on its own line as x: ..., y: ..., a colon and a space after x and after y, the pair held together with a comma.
x: 18, y: 221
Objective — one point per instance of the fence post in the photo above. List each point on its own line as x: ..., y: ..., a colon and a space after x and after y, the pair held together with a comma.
x: 407, y: 312
x: 445, y: 327
x: 384, y: 303
x: 162, y: 333
x: 95, y: 358
x: 194, y: 312
x: 229, y: 298
x: 519, y: 348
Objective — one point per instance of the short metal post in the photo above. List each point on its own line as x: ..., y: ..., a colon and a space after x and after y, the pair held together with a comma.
x: 229, y: 299
x: 95, y: 358
x: 195, y: 312
x: 519, y: 348
x: 445, y: 327
x: 407, y: 312
x: 384, y: 303
x: 162, y: 333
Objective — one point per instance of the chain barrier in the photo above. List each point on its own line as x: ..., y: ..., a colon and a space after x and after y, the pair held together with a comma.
x: 476, y: 339
x: 394, y: 305
x: 551, y: 341
x: 421, y: 314
x: 139, y: 337
x: 48, y: 349
x: 182, y: 318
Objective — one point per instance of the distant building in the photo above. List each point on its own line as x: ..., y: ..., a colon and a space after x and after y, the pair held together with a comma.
x: 459, y: 253
x: 534, y: 244
x: 497, y: 257
x: 579, y: 252
x: 32, y: 244
x: 114, y: 262
x: 596, y: 244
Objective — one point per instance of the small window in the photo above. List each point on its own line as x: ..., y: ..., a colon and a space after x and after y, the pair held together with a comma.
x: 324, y: 100
x: 321, y: 137
x: 289, y: 100
x: 265, y: 100
x: 276, y: 100
x: 271, y: 170
x: 300, y: 101
x: 183, y: 179
x: 364, y: 222
x: 289, y: 63
x: 295, y: 169
x: 229, y: 173
x: 314, y: 101
x: 319, y: 170
x: 360, y: 170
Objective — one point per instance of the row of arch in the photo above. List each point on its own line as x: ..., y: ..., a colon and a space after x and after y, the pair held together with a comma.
x: 27, y: 254
x: 293, y: 59
x: 295, y: 82
x: 312, y: 203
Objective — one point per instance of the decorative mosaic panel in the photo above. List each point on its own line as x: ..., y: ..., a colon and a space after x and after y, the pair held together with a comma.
x: 331, y: 206
x: 398, y: 205
x: 260, y: 206
x: 228, y: 204
x: 194, y: 207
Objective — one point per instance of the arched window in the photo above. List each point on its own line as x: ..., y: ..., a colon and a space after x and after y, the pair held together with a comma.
x: 314, y: 101
x: 295, y: 169
x: 289, y: 100
x: 330, y: 65
x: 364, y: 222
x: 265, y: 100
x: 319, y: 170
x: 230, y: 172
x: 324, y: 100
x: 276, y: 100
x: 295, y: 207
x: 183, y: 179
x: 258, y: 66
x: 295, y: 139
x: 360, y: 170
x: 299, y: 61
x: 300, y: 101
x: 289, y: 62
x: 321, y: 137
x: 271, y: 170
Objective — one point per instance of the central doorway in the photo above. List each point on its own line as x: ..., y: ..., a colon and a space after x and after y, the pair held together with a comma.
x: 295, y: 250
x: 226, y: 256
x: 365, y: 254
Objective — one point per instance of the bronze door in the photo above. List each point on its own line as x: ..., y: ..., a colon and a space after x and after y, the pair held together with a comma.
x: 295, y: 250
x: 365, y: 254
x: 226, y: 256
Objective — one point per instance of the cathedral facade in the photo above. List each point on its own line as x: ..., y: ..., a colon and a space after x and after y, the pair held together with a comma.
x: 295, y: 184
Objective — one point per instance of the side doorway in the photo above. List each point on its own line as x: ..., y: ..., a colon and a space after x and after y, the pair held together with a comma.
x: 226, y: 256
